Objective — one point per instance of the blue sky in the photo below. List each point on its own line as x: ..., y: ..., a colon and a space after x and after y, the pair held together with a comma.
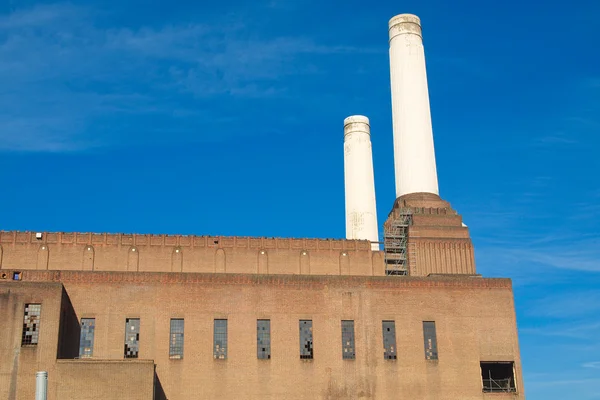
x: 226, y: 118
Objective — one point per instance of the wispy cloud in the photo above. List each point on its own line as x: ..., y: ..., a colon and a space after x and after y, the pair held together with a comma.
x: 573, y: 331
x: 66, y: 80
x: 566, y: 304
x: 593, y: 364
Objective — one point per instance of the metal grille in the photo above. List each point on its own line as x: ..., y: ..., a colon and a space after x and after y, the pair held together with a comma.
x: 429, y: 336
x: 31, y: 325
x: 220, y: 339
x: 498, y: 377
x: 132, y: 337
x: 389, y: 340
x: 348, y: 352
x: 306, y: 340
x: 263, y: 339
x: 176, y: 340
x: 86, y: 338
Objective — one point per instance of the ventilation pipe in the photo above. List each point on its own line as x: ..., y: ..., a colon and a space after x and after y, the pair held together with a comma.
x: 41, y: 385
x: 361, y: 211
x: 414, y: 156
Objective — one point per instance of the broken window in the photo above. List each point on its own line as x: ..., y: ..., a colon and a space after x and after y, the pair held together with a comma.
x: 263, y: 339
x: 498, y: 376
x: 220, y: 339
x: 348, y: 352
x: 306, y: 339
x: 31, y: 325
x: 430, y: 339
x: 132, y: 338
x: 176, y: 340
x: 86, y: 337
x: 389, y: 340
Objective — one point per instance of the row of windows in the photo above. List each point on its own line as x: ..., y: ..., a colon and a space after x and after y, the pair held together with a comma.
x: 31, y: 326
x: 263, y: 337
x: 496, y: 376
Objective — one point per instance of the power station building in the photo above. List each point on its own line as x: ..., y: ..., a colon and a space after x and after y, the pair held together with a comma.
x: 404, y: 316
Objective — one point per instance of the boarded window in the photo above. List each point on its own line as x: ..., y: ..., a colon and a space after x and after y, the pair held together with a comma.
x: 498, y: 377
x: 429, y: 336
x: 348, y: 352
x: 220, y: 339
x: 389, y: 340
x: 176, y: 340
x: 86, y: 337
x: 31, y: 325
x: 132, y: 337
x: 306, y: 339
x: 263, y: 339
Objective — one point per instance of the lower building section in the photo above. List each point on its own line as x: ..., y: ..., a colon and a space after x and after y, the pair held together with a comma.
x: 206, y: 336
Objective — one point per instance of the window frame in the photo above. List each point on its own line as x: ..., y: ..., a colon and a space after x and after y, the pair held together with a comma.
x: 176, y: 339
x: 92, y: 334
x: 306, y: 353
x: 390, y: 353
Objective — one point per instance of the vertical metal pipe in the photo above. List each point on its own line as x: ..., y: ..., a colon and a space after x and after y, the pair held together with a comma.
x: 41, y: 385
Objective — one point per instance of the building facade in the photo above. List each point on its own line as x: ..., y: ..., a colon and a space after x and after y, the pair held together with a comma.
x: 119, y: 316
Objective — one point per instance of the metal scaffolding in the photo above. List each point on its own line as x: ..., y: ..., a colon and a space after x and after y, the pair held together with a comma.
x: 396, y: 244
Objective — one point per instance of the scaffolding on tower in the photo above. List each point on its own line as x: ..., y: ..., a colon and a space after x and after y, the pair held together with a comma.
x: 395, y: 243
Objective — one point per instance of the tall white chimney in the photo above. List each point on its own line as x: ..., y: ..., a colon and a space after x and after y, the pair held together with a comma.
x: 361, y: 211
x: 414, y: 156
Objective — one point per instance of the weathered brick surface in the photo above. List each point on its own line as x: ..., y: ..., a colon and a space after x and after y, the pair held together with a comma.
x: 474, y: 318
x: 162, y: 253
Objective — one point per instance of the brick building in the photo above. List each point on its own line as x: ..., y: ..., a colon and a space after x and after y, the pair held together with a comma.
x: 120, y: 316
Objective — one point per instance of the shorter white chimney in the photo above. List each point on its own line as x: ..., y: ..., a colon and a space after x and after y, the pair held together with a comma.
x: 361, y: 210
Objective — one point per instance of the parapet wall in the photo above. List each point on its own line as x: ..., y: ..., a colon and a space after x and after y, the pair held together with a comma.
x: 179, y: 253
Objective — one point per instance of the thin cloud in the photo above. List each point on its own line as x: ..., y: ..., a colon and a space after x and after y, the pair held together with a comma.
x: 593, y: 364
x: 66, y: 81
x: 571, y: 331
x: 566, y: 305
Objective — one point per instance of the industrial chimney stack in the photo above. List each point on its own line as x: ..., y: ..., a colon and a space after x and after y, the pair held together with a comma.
x: 414, y: 156
x: 361, y: 211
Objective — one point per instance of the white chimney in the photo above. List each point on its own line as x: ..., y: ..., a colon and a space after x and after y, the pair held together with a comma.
x: 414, y: 156
x: 361, y: 211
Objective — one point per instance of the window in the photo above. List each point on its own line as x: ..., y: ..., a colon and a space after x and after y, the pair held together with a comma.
x: 31, y: 325
x: 429, y: 336
x: 86, y: 338
x: 498, y: 377
x: 132, y: 337
x: 389, y: 340
x: 176, y: 340
x: 306, y: 340
x: 348, y: 352
x: 220, y: 339
x: 263, y: 339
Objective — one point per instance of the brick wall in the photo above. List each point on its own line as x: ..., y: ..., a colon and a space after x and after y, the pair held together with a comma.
x: 474, y: 317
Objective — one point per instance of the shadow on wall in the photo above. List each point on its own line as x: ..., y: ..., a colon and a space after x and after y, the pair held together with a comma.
x: 69, y: 330
x: 159, y: 393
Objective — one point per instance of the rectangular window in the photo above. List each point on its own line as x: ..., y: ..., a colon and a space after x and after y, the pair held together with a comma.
x: 498, y: 377
x: 389, y: 340
x: 31, y: 325
x: 306, y: 339
x: 263, y: 339
x: 220, y: 339
x: 429, y: 336
x: 348, y: 352
x: 86, y: 338
x: 176, y: 340
x: 132, y: 337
